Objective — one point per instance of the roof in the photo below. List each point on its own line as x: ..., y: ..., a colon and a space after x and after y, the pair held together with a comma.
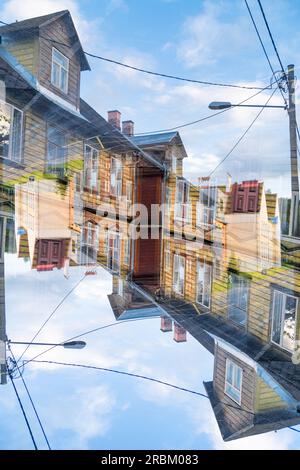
x: 253, y: 424
x: 40, y: 21
x: 158, y: 140
x: 111, y: 137
x: 154, y: 139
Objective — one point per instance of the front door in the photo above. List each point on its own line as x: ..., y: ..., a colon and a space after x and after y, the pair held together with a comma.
x: 50, y: 252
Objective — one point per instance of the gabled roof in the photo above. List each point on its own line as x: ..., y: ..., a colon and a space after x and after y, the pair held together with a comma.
x: 39, y: 22
x: 158, y: 139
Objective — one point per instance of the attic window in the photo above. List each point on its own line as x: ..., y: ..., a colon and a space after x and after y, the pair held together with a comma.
x: 60, y: 70
x: 233, y: 381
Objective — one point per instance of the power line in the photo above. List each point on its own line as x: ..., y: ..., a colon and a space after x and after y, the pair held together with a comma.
x: 174, y: 77
x: 51, y: 314
x: 152, y: 379
x: 205, y: 117
x: 243, y: 135
x: 270, y: 34
x: 30, y: 398
x: 265, y: 51
x: 146, y: 71
x: 23, y: 411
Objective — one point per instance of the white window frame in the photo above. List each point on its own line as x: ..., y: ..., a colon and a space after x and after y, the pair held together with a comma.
x: 235, y: 366
x: 282, y: 322
x: 206, y: 212
x: 59, y: 87
x: 114, y: 250
x: 11, y: 157
x: 210, y: 267
x: 88, y: 167
x: 176, y: 285
x: 116, y: 190
x: 182, y: 201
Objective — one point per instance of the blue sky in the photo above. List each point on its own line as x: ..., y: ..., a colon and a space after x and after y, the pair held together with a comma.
x: 84, y: 409
x: 206, y: 40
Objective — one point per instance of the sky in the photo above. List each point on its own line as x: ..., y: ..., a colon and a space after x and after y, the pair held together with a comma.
x: 205, y: 40
x: 87, y: 409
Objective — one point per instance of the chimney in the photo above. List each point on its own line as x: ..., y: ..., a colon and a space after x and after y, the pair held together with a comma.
x: 128, y: 128
x: 114, y: 118
x: 166, y: 324
x: 179, y: 333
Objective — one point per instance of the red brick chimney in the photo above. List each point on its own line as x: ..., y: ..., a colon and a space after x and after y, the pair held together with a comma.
x: 179, y: 333
x: 165, y: 324
x: 128, y: 128
x: 114, y: 118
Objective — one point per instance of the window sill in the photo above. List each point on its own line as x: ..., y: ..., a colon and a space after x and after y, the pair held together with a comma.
x: 12, y: 163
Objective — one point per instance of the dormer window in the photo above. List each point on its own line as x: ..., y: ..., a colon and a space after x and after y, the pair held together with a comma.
x: 60, y: 70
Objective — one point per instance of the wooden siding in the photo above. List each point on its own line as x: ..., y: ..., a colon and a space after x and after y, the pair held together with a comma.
x: 267, y: 398
x: 235, y: 419
x: 59, y: 31
x: 25, y: 49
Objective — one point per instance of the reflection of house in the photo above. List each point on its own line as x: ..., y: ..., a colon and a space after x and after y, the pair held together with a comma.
x: 46, y: 231
x: 128, y: 303
x: 252, y: 227
x: 246, y: 398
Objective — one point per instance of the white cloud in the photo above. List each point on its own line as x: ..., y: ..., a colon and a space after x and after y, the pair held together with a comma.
x: 23, y: 9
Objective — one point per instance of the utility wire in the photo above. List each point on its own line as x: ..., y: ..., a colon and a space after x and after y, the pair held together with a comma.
x: 205, y: 117
x: 51, y: 314
x: 23, y: 411
x: 87, y: 333
x: 149, y: 72
x: 271, y: 36
x: 152, y: 379
x: 265, y: 51
x: 243, y: 135
x: 30, y: 398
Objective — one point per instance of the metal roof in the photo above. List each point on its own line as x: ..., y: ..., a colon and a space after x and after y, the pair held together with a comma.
x: 154, y: 139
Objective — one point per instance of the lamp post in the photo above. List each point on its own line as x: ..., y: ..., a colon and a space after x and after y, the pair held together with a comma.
x: 291, y: 108
x: 67, y: 344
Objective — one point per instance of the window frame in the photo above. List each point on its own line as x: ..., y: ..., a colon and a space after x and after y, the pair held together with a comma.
x: 174, y: 286
x: 235, y: 366
x: 10, y: 157
x: 210, y: 266
x: 117, y: 192
x: 90, y: 168
x: 285, y: 295
x: 180, y: 205
x: 54, y: 50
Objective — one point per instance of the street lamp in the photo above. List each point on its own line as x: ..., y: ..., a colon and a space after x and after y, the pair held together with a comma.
x: 67, y: 344
x: 294, y: 226
x: 217, y: 105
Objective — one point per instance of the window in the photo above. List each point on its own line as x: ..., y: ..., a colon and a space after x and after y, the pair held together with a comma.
x: 60, y: 70
x: 116, y: 177
x: 206, y: 206
x: 56, y: 151
x: 90, y: 243
x: 174, y: 163
x: 284, y: 315
x: 238, y: 299
x: 233, y: 381
x: 129, y: 193
x: 182, y: 200
x: 11, y: 120
x: 91, y: 158
x: 113, y: 251
x: 178, y: 274
x: 127, y: 243
x: 203, y: 293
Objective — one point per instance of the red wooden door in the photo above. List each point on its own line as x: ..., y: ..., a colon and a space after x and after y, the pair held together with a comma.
x: 50, y: 252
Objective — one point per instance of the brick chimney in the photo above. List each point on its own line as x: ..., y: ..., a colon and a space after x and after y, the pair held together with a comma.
x: 179, y: 333
x: 114, y: 118
x: 165, y: 324
x: 128, y: 128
